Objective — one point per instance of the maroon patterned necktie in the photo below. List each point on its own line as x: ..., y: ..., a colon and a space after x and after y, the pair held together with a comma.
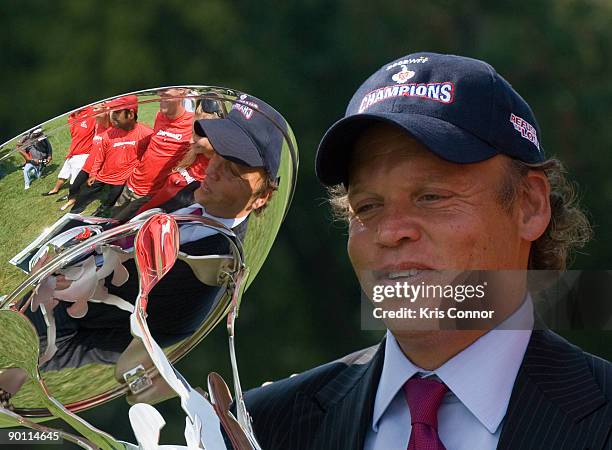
x: 424, y: 397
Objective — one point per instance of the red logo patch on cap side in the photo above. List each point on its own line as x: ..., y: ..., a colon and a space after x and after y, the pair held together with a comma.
x: 526, y: 129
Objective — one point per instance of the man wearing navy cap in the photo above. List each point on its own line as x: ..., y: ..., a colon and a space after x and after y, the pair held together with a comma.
x: 438, y: 168
x: 244, y: 150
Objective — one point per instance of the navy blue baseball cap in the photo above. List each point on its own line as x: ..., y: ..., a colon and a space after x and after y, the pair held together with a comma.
x: 250, y: 134
x: 460, y: 108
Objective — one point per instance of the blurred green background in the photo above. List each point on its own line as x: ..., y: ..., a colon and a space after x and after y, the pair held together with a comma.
x: 306, y: 59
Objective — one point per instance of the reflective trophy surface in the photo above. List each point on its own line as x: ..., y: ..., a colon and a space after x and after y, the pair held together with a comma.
x: 98, y: 303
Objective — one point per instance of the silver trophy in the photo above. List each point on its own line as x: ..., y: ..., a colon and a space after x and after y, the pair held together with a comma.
x: 108, y: 287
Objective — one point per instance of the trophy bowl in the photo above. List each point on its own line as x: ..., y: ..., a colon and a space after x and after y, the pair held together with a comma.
x: 131, y: 228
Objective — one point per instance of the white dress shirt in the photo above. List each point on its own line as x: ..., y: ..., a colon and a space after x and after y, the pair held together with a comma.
x: 480, y: 380
x: 190, y: 232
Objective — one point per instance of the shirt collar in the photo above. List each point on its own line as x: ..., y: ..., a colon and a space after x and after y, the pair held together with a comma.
x: 229, y: 223
x: 481, y: 376
x: 191, y: 231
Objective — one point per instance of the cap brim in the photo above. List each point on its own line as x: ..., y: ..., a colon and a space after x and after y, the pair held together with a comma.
x: 230, y: 141
x: 442, y: 138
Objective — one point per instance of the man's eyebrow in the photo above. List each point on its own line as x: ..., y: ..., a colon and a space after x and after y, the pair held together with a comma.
x: 437, y: 176
x: 236, y: 169
x: 356, y: 189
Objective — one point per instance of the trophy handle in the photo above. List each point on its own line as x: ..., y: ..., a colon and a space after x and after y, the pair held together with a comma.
x: 244, y: 419
x: 222, y: 399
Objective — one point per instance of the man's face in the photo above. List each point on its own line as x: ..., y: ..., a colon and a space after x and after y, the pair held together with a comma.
x: 414, y: 212
x: 101, y: 113
x: 123, y: 119
x: 228, y: 188
x: 169, y: 103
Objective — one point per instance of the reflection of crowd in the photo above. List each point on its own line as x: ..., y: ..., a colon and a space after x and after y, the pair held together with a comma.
x: 129, y: 166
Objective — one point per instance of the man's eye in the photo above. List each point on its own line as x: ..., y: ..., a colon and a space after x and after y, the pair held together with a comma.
x: 361, y: 209
x: 234, y: 172
x: 430, y: 197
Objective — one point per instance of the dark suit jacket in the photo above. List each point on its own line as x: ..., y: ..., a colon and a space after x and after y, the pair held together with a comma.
x: 561, y: 400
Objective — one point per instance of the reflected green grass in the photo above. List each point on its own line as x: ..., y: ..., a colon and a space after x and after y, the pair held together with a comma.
x: 24, y: 214
x: 69, y: 385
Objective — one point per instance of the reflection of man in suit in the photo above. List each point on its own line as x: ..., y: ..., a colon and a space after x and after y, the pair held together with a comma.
x: 438, y: 165
x: 240, y: 179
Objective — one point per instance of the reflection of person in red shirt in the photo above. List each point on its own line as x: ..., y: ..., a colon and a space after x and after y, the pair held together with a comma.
x: 185, y: 178
x: 82, y: 129
x: 102, y: 124
x: 121, y: 148
x: 169, y: 143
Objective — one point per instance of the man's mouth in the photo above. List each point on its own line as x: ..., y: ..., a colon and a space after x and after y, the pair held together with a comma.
x: 408, y: 272
x: 404, y: 274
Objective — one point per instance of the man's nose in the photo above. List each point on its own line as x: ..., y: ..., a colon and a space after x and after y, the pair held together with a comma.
x: 397, y: 227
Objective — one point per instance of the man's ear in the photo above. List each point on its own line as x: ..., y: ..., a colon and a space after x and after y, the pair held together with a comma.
x: 260, y: 200
x: 534, y: 205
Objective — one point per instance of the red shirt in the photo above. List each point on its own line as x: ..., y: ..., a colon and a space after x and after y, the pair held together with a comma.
x: 82, y: 129
x: 95, y: 147
x: 177, y: 181
x: 198, y: 169
x: 168, y: 145
x: 119, y: 153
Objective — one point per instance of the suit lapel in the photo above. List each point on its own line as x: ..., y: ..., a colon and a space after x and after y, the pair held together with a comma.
x: 348, y: 401
x: 555, y: 402
x: 553, y: 392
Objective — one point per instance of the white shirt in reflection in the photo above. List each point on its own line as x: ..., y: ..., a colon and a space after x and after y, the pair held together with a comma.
x: 190, y: 232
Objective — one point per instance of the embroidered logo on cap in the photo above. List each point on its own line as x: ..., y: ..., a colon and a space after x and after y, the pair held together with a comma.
x: 439, y: 92
x: 403, y: 75
x: 243, y: 109
x: 526, y: 129
x: 403, y: 62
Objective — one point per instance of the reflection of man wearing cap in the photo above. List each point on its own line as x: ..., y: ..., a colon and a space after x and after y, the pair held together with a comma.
x: 170, y: 141
x: 241, y: 178
x: 438, y: 165
x: 121, y: 148
x: 244, y: 156
x: 244, y: 151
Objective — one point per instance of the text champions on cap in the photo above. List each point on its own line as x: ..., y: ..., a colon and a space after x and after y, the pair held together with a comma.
x: 439, y: 92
